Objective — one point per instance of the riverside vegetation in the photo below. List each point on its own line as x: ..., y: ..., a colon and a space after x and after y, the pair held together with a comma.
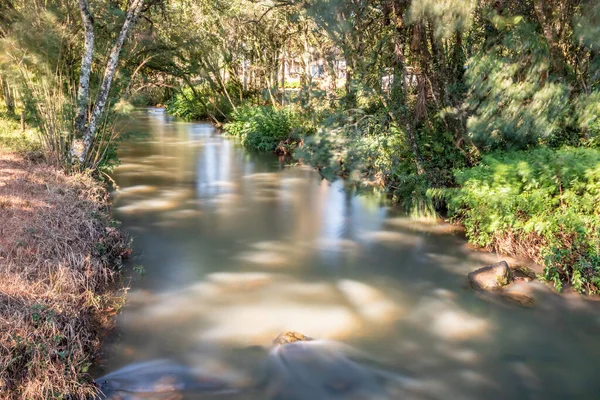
x: 60, y: 251
x: 59, y: 255
x: 484, y: 111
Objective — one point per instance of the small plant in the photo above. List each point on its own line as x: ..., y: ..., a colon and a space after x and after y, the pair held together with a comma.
x: 139, y: 269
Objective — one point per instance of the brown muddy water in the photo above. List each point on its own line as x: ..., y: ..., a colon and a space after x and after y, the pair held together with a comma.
x: 237, y: 247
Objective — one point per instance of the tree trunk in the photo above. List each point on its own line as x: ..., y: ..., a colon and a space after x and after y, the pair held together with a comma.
x: 401, y: 88
x: 307, y: 76
x: 132, y: 15
x: 83, y: 93
x: 332, y: 87
x: 8, y: 96
x: 283, y: 61
x: 544, y: 13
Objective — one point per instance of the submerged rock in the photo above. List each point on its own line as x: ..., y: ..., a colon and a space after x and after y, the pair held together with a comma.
x: 155, y: 380
x: 520, y: 292
x: 491, y: 277
x: 308, y: 370
x: 301, y: 368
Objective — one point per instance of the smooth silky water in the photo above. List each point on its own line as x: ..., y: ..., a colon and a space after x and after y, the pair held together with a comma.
x: 237, y: 247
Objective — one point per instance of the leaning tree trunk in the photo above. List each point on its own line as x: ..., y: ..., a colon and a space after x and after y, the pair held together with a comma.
x: 83, y: 93
x: 132, y: 15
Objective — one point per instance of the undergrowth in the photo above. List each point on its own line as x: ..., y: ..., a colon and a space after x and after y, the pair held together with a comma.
x: 267, y: 128
x: 13, y: 138
x: 543, y: 204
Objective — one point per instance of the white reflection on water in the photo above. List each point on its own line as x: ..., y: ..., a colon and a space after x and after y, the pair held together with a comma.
x: 252, y: 308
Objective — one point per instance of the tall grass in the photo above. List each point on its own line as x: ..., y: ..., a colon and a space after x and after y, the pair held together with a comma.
x: 50, y: 101
x: 54, y: 116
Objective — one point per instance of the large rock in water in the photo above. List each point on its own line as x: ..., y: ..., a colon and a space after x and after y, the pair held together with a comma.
x: 159, y: 380
x: 492, y: 277
x: 319, y: 370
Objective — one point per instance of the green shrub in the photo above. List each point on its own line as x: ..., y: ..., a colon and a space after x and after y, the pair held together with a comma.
x: 544, y: 204
x: 203, y: 102
x: 266, y: 128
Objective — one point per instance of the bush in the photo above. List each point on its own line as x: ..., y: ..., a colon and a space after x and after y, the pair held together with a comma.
x: 542, y: 204
x: 509, y: 106
x: 266, y: 128
x: 293, y: 84
x: 204, y: 102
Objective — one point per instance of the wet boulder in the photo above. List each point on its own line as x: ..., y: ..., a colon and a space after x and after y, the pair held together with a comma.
x: 491, y: 277
x: 308, y: 370
x: 158, y: 380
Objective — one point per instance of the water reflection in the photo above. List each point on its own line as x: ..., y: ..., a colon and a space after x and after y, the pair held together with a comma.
x: 237, y: 247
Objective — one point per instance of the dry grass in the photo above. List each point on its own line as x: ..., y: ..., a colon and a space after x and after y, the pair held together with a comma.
x: 519, y: 245
x: 58, y: 252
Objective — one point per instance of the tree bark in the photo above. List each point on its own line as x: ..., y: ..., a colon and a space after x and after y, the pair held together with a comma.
x: 400, y: 83
x: 543, y: 11
x: 6, y: 92
x: 283, y: 61
x: 83, y: 93
x: 132, y: 15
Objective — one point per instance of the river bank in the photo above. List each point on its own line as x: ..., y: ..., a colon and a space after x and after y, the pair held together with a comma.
x: 60, y: 253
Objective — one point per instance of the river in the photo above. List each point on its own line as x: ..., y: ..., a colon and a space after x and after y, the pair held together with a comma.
x: 236, y: 247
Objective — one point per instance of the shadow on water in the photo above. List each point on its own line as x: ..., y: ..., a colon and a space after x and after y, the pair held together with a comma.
x: 237, y: 248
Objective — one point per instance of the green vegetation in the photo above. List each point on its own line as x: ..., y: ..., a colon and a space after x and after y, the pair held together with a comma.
x: 390, y: 94
x: 14, y: 138
x: 541, y: 203
x: 40, y: 45
x: 266, y: 128
x: 203, y: 102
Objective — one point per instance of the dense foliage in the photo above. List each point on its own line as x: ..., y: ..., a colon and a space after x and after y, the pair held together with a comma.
x: 203, y: 103
x: 542, y: 203
x: 266, y: 128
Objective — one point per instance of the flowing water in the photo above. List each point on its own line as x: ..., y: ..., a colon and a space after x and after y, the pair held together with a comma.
x: 237, y: 247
